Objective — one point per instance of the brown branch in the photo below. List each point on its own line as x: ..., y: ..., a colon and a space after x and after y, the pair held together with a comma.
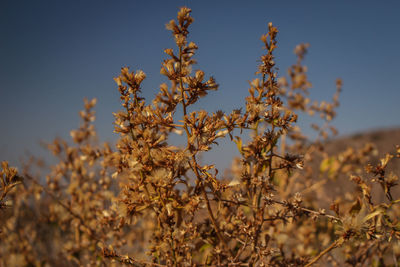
x: 334, y: 245
x: 284, y: 204
x: 309, y: 211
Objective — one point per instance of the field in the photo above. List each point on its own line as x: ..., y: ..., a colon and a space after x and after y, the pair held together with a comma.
x: 287, y: 200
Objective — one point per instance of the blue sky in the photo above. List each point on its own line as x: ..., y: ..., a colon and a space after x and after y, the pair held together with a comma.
x: 55, y: 53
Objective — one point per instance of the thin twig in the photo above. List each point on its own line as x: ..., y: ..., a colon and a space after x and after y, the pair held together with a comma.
x: 309, y: 211
x: 335, y: 244
x: 285, y: 204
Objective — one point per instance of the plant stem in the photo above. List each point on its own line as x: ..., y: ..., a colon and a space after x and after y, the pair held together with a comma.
x: 194, y: 164
x: 335, y: 244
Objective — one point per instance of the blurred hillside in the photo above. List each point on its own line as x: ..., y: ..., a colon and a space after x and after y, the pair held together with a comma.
x: 383, y: 141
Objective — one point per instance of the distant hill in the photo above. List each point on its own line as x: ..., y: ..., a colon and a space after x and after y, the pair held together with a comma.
x: 384, y: 141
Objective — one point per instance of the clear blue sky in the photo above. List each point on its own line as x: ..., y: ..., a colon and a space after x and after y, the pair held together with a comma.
x: 55, y: 53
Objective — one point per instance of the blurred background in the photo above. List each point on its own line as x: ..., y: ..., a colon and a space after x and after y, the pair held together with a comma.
x: 55, y: 53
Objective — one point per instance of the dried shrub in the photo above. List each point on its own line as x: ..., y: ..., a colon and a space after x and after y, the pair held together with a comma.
x: 146, y: 202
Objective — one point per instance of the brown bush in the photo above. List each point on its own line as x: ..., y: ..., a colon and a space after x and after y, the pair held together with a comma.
x: 146, y: 202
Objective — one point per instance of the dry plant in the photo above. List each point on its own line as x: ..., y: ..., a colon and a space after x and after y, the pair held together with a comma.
x: 146, y: 202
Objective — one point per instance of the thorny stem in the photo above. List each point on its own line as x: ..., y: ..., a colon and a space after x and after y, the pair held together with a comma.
x: 310, y: 211
x: 260, y: 210
x: 183, y: 94
x: 285, y: 204
x: 194, y: 164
